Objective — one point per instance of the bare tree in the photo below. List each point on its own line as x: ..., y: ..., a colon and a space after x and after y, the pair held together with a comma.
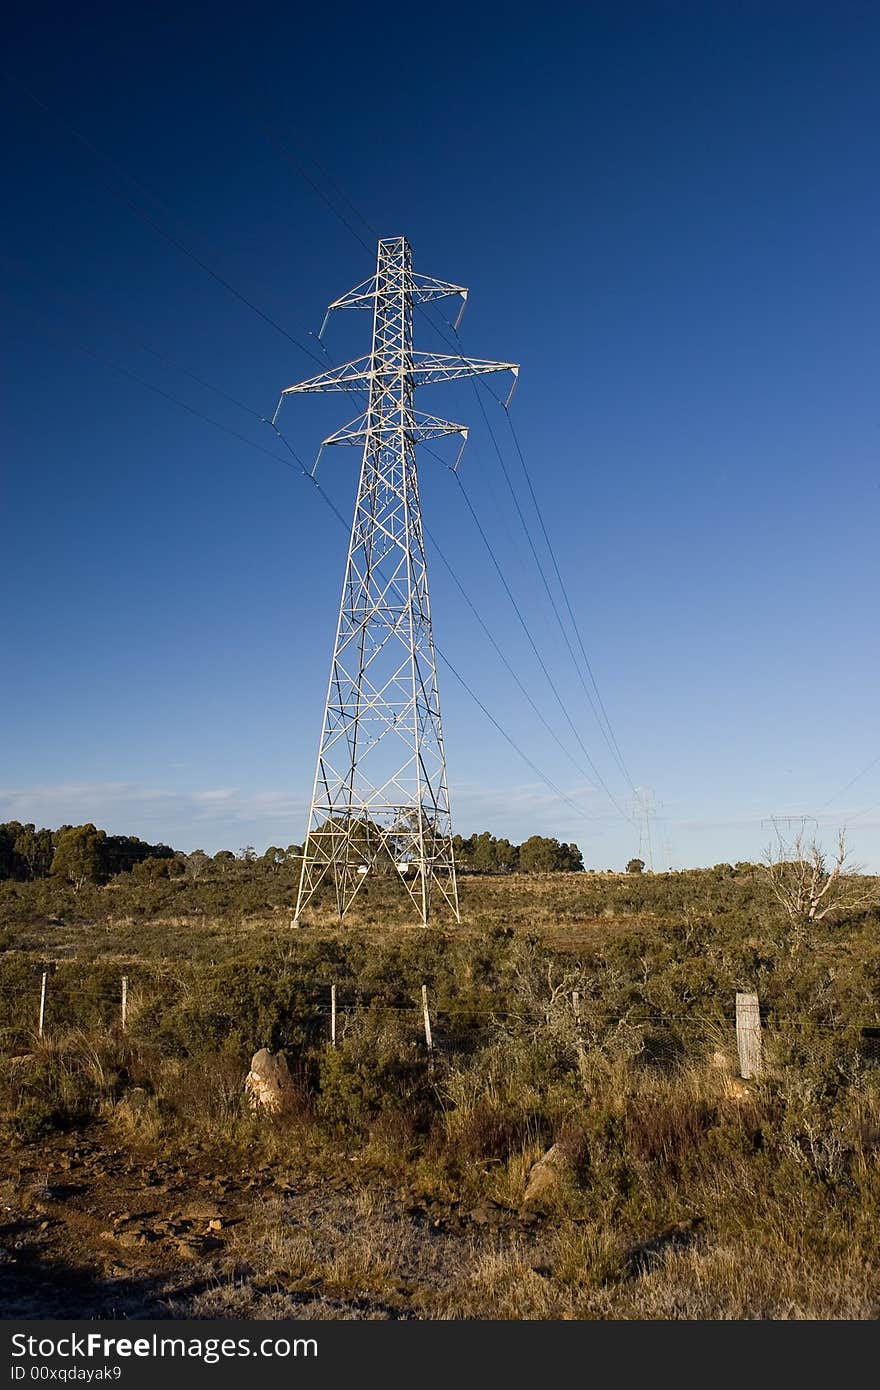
x: 810, y: 886
x: 197, y: 863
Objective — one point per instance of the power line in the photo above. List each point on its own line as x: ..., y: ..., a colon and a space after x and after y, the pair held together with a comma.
x: 610, y: 742
x: 544, y: 778
x: 534, y: 647
x: 200, y: 415
x: 279, y: 145
x: 852, y: 782
x: 151, y: 221
x: 514, y: 745
x: 595, y: 771
x: 565, y: 596
x: 161, y: 356
x: 301, y: 467
x: 295, y: 161
x: 606, y: 728
x: 608, y: 735
x: 311, y: 477
x: 500, y: 652
x: 174, y: 241
x: 345, y: 198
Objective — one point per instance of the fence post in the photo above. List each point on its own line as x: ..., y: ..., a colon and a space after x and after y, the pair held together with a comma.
x: 428, y: 1039
x: 748, y: 1035
x: 42, y: 1003
x: 124, y: 1001
x: 332, y: 1015
x: 576, y: 1003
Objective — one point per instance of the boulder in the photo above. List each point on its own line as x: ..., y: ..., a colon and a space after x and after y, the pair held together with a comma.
x: 544, y: 1176
x: 26, y: 1061
x: 200, y: 1211
x: 268, y: 1085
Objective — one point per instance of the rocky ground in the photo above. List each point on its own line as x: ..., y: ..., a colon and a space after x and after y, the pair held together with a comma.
x: 94, y: 1231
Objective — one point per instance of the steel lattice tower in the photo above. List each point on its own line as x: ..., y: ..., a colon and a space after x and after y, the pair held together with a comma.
x: 380, y: 798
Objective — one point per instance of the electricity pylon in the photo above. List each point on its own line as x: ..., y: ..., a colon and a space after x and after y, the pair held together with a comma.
x: 380, y: 799
x: 644, y: 806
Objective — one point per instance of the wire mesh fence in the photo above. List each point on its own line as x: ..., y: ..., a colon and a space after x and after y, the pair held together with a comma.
x: 46, y: 999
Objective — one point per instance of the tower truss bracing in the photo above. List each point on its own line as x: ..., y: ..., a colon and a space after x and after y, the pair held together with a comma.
x: 380, y: 801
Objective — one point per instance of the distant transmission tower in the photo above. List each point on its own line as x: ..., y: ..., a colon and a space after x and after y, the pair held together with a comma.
x: 644, y: 806
x: 784, y: 825
x: 380, y: 799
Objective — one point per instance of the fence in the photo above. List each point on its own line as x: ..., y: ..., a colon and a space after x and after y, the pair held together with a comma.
x: 46, y: 1001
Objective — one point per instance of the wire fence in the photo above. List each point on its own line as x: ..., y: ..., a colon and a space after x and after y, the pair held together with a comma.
x: 45, y: 1000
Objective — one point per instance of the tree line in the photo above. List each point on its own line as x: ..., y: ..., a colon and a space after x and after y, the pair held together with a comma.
x: 80, y: 854
x: 76, y: 853
x: 539, y: 854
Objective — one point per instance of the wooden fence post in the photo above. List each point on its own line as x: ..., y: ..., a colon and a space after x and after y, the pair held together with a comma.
x: 428, y: 1038
x: 42, y: 1003
x: 332, y: 1015
x: 748, y: 1035
x: 124, y: 1001
x: 576, y: 1003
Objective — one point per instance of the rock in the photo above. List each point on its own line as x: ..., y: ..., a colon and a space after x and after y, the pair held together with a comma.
x: 25, y: 1061
x: 488, y: 1214
x: 194, y: 1249
x: 482, y: 1214
x: 544, y: 1176
x: 200, y: 1211
x: 33, y: 1201
x: 268, y: 1085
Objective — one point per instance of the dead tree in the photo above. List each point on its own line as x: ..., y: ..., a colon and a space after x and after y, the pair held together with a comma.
x: 810, y: 887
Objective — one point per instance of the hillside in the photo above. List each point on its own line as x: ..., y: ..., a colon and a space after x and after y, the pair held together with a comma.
x: 591, y: 1015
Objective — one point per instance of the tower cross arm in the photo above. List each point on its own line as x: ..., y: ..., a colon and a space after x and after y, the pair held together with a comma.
x: 361, y: 297
x: 349, y: 376
x: 430, y: 367
x: 423, y: 289
x: 422, y: 429
x: 426, y: 288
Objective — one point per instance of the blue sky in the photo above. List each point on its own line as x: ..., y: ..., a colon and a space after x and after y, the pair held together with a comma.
x: 668, y: 213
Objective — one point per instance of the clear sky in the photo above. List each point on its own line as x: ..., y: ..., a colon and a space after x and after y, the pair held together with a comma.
x: 668, y: 213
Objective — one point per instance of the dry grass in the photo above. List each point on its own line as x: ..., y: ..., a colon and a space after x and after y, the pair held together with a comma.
x: 684, y: 1191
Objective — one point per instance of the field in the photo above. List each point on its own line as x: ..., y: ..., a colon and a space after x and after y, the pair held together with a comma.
x: 591, y: 1015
